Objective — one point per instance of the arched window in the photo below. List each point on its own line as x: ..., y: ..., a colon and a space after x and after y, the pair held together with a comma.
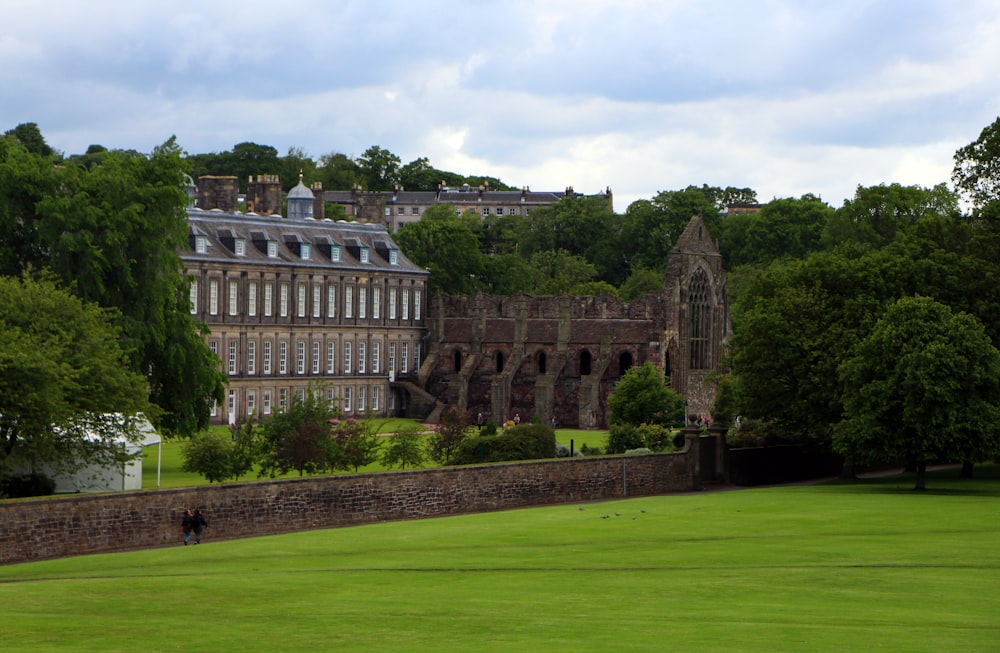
x: 624, y: 362
x: 584, y: 363
x: 458, y: 360
x: 499, y: 362
x: 541, y: 362
x: 700, y: 322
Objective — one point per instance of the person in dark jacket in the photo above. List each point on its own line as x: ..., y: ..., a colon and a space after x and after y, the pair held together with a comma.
x: 187, y: 525
x: 199, y: 525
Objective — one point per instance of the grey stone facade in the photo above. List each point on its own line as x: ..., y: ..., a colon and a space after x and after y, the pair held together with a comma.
x: 299, y: 303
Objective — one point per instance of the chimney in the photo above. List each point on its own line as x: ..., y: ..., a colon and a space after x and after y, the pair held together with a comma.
x: 319, y: 202
x: 218, y: 192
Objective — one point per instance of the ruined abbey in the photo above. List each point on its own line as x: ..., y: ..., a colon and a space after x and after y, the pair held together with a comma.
x: 560, y: 357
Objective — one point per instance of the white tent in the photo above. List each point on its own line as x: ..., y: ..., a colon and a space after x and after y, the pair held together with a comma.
x: 108, y: 478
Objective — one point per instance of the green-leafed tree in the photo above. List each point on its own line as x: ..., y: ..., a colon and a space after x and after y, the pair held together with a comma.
x: 112, y: 233
x: 338, y: 171
x: 640, y: 282
x: 503, y: 234
x: 792, y: 323
x: 558, y: 271
x: 782, y: 228
x: 62, y: 365
x: 250, y: 160
x: 507, y: 274
x: 446, y: 245
x: 379, y: 168
x: 219, y: 456
x: 299, y: 438
x: 420, y: 175
x: 404, y: 448
x: 294, y: 164
x: 585, y: 227
x: 30, y: 137
x: 446, y: 441
x: 644, y: 396
x: 25, y: 180
x: 209, y: 454
x: 115, y: 233
x: 877, y: 214
x: 357, y: 443
x: 977, y: 167
x: 921, y: 387
x: 650, y: 228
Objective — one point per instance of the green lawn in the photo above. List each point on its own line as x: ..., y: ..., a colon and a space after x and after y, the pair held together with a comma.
x: 172, y: 476
x: 866, y: 566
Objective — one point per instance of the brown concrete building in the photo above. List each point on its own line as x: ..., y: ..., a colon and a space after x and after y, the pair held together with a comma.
x: 541, y: 357
x: 295, y: 303
x: 398, y: 207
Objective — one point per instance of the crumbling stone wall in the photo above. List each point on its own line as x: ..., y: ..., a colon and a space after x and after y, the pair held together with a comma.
x: 545, y: 357
x: 41, y: 529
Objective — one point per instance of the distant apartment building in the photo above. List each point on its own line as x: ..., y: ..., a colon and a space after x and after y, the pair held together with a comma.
x: 297, y: 303
x: 398, y: 207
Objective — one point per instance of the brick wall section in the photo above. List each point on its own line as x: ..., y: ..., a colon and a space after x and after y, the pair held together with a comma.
x: 52, y: 528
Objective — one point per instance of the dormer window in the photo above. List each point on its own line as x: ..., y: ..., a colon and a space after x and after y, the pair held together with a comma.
x: 305, y: 251
x: 272, y: 249
x: 335, y: 253
x: 364, y: 254
x: 240, y: 246
x: 393, y: 257
x: 200, y: 244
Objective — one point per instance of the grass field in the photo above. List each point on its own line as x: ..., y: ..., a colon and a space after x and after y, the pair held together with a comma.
x: 865, y: 566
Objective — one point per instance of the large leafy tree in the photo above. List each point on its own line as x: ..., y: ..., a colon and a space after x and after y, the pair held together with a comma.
x: 921, y: 387
x: 404, y: 447
x: 338, y: 171
x: 650, y: 228
x: 379, y: 168
x: 112, y: 232
x: 644, y: 396
x: 977, y: 167
x: 782, y: 228
x: 295, y: 164
x: 299, y: 438
x: 61, y: 366
x: 356, y: 442
x: 585, y: 227
x: 30, y: 137
x: 877, y: 214
x: 792, y: 322
x: 447, y: 246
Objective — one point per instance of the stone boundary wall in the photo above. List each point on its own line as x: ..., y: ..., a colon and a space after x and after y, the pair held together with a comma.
x: 82, y: 524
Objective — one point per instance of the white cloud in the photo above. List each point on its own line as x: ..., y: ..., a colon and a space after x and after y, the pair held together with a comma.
x: 641, y: 95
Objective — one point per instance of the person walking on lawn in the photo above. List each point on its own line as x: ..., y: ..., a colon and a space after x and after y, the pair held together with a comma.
x: 199, y: 525
x: 187, y: 525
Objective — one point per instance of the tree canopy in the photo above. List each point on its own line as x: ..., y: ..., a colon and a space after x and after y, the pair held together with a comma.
x: 977, y: 167
x: 62, y: 365
x: 644, y: 396
x: 922, y: 386
x: 112, y: 233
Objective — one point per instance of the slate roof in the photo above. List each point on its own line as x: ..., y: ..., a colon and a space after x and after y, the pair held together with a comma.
x: 222, y: 228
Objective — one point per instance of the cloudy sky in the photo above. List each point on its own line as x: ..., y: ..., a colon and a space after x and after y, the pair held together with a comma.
x: 784, y: 96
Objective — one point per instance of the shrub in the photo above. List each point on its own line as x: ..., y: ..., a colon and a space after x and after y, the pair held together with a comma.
x: 622, y: 437
x: 523, y: 442
x: 27, y: 485
x: 589, y: 451
x: 210, y: 454
x: 657, y: 437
